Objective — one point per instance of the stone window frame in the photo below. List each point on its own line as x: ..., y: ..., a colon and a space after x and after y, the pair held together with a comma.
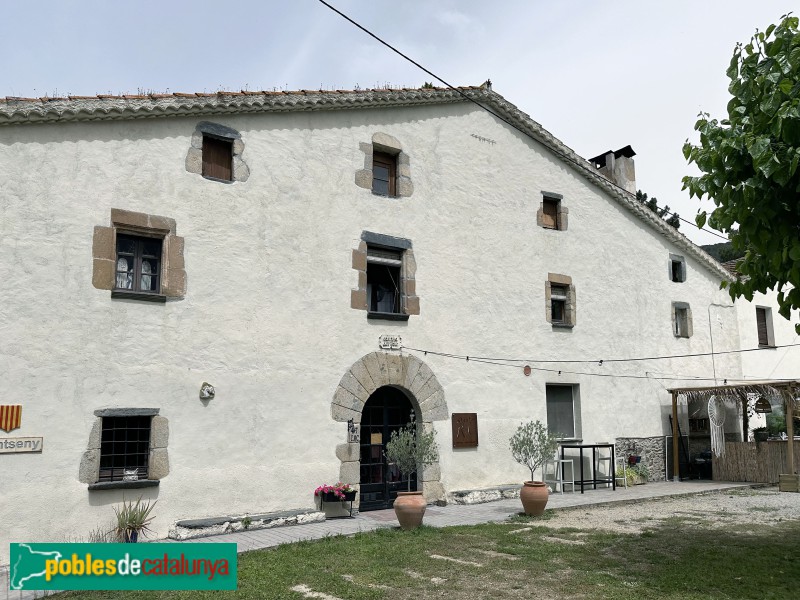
x: 680, y: 261
x: 158, y: 459
x: 194, y: 157
x: 570, y: 308
x: 409, y: 301
x: 383, y: 143
x: 104, y: 254
x: 562, y: 212
x: 577, y: 422
x: 677, y: 331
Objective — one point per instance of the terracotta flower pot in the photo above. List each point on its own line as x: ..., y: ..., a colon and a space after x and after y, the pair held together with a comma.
x: 534, y: 496
x: 409, y: 508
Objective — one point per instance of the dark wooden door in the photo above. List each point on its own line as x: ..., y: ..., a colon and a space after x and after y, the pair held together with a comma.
x: 387, y: 410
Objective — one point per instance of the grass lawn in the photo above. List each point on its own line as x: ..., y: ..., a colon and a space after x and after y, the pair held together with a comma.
x: 681, y: 558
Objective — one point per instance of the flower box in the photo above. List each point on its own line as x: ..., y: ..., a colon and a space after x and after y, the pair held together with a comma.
x: 336, y: 493
x: 345, y: 497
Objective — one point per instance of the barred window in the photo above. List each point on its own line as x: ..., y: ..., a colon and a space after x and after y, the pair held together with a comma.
x: 125, y: 448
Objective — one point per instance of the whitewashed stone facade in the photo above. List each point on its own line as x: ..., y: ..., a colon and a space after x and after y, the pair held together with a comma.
x: 264, y: 303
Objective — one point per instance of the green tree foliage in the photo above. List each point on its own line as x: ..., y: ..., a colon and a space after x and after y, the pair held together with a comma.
x: 532, y: 444
x: 409, y: 448
x: 652, y: 203
x: 749, y: 164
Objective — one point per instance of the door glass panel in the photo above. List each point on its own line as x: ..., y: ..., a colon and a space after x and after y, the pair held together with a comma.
x: 387, y: 410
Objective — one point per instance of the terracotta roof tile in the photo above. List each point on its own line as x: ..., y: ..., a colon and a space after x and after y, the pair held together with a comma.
x: 10, y: 99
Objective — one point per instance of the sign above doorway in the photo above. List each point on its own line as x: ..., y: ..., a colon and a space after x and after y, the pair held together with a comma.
x: 390, y: 342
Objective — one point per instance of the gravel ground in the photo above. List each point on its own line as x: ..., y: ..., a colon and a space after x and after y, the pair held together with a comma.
x: 741, y: 507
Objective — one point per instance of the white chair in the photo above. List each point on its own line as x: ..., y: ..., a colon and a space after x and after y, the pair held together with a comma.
x: 622, y: 462
x: 558, y: 476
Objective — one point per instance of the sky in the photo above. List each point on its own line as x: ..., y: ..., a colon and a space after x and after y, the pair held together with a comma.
x: 599, y: 76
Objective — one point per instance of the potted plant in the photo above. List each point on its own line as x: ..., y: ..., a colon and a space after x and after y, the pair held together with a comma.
x: 409, y: 449
x: 133, y: 519
x: 532, y: 445
x: 335, y: 493
x: 760, y: 434
x: 634, y: 474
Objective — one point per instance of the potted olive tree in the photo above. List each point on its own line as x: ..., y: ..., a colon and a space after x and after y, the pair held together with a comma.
x: 532, y: 445
x: 410, y: 448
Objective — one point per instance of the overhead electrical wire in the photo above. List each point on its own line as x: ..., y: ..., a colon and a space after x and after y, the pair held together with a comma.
x: 487, y: 109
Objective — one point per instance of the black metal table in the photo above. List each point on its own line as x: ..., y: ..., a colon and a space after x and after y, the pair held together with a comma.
x: 594, y: 479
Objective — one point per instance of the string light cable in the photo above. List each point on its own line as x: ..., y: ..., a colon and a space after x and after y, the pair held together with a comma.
x: 489, y: 110
x: 597, y: 360
x: 648, y: 375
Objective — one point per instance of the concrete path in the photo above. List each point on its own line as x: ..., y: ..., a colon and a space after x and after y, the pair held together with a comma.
x: 460, y: 514
x: 435, y: 516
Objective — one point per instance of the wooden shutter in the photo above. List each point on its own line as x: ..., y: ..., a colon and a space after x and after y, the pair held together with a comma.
x: 761, y: 321
x: 217, y: 158
x: 550, y: 213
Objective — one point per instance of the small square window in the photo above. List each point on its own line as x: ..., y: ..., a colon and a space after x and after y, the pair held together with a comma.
x: 677, y: 268
x: 217, y: 158
x: 384, y: 286
x: 550, y: 213
x: 681, y: 320
x: 766, y: 334
x: 558, y: 303
x: 125, y: 448
x: 384, y: 174
x: 138, y: 267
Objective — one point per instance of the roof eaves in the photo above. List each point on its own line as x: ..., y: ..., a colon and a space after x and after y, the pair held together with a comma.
x: 25, y: 111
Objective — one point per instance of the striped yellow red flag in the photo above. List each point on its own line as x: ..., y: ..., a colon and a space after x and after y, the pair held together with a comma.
x: 10, y: 417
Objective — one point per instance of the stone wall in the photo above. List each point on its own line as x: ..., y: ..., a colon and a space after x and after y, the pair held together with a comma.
x: 651, y: 449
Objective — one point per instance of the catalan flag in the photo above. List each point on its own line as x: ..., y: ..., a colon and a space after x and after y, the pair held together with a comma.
x: 10, y: 417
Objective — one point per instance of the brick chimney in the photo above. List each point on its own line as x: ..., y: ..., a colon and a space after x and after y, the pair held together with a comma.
x: 617, y: 167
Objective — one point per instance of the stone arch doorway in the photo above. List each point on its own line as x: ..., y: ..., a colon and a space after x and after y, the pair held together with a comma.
x: 406, y: 374
x: 387, y: 410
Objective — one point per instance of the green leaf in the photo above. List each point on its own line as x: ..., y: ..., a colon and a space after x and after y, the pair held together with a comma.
x: 700, y: 219
x: 794, y: 253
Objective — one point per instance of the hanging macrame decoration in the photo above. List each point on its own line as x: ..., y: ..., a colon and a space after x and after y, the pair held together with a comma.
x: 716, y: 414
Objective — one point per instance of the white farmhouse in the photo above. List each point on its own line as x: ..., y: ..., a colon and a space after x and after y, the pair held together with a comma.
x: 195, y: 286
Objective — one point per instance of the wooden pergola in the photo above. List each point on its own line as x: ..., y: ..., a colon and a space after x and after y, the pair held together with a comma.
x: 786, y: 389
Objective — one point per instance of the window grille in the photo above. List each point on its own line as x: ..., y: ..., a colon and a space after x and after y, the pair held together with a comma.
x: 125, y: 448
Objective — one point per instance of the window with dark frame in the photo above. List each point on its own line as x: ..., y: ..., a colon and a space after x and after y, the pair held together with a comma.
x: 681, y: 324
x: 125, y: 448
x: 550, y: 213
x: 217, y: 158
x: 384, y: 174
x: 560, y: 401
x: 384, y: 289
x: 558, y: 303
x: 763, y: 317
x: 138, y: 267
x: 677, y: 269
